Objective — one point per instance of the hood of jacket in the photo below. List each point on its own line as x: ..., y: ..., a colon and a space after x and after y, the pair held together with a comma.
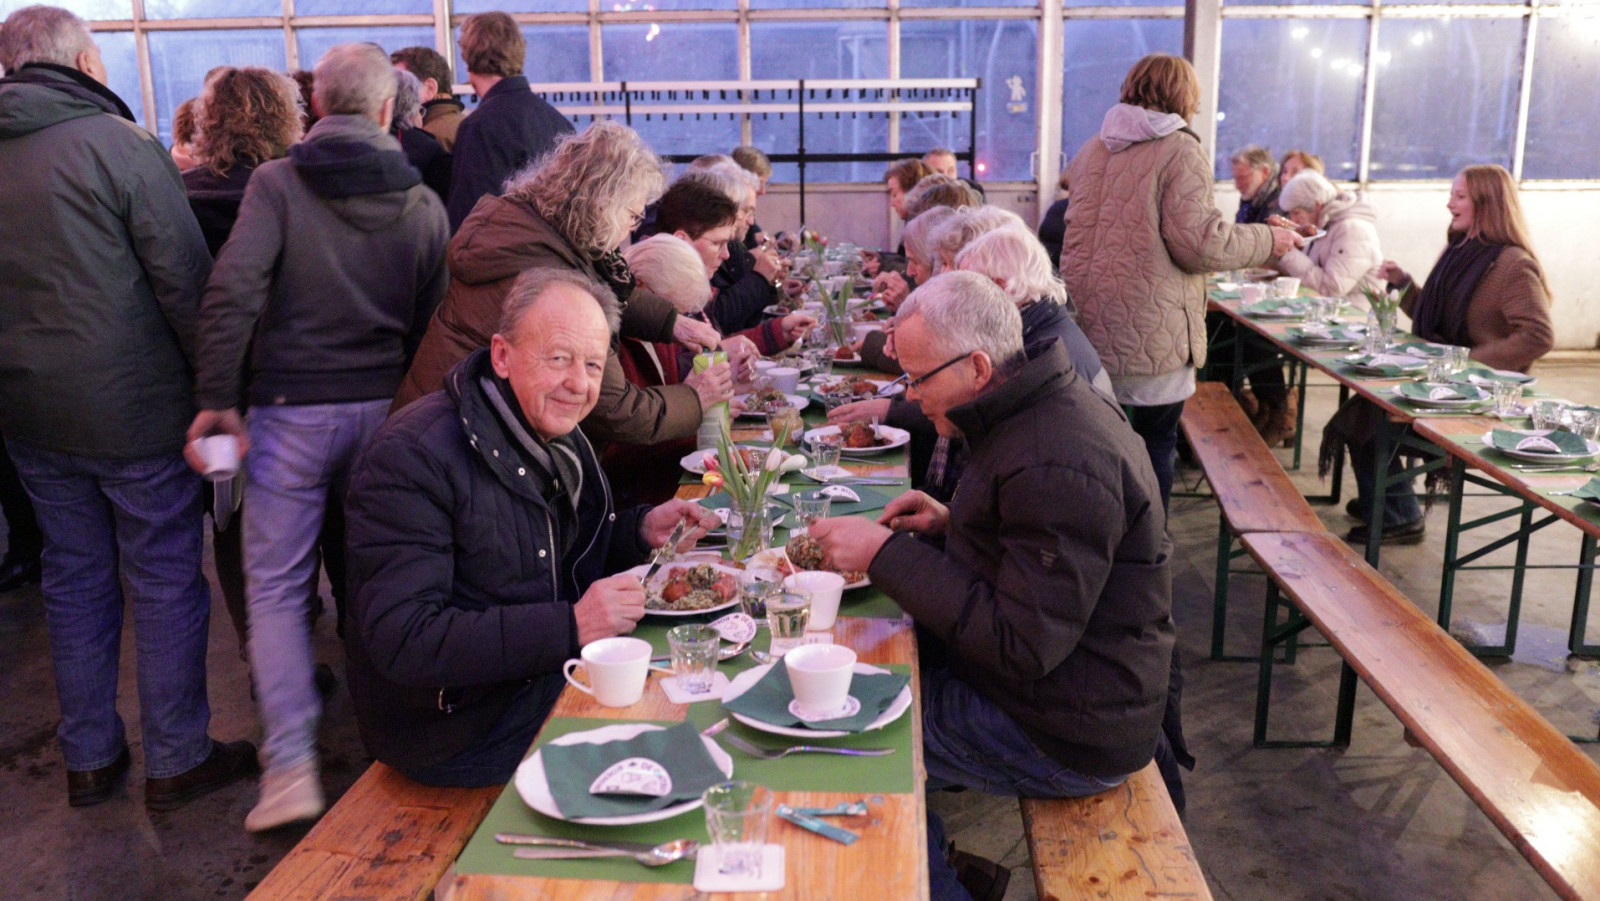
x: 1047, y: 367
x: 1126, y: 125
x: 503, y: 237
x: 351, y: 162
x: 40, y: 95
x: 1346, y: 206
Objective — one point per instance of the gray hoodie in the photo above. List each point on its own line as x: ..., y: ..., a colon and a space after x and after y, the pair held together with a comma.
x: 329, y: 276
x: 1126, y: 125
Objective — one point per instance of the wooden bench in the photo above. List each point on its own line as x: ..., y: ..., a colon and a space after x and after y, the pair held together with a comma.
x: 1124, y: 843
x: 1535, y: 785
x: 387, y: 838
x: 1252, y: 491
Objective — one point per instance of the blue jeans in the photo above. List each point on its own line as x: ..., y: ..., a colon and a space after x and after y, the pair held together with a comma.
x: 1158, y: 426
x: 297, y: 455
x: 494, y: 760
x: 966, y: 740
x: 112, y: 526
x: 1400, y: 505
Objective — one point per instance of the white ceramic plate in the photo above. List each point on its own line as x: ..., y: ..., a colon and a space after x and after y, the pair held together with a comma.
x: 695, y: 461
x: 773, y: 557
x: 747, y: 679
x: 796, y: 401
x: 660, y: 578
x: 1535, y: 456
x: 895, y: 388
x: 896, y: 438
x: 534, y: 786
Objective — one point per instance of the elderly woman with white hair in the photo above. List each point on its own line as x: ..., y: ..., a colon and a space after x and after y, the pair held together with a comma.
x: 921, y: 264
x: 956, y: 232
x: 1348, y: 258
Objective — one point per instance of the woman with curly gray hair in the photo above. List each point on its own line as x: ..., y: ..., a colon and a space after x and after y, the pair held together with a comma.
x: 571, y: 209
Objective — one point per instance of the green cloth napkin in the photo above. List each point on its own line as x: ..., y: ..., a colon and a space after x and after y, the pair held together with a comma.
x: 1590, y: 491
x: 571, y: 769
x: 768, y: 700
x: 871, y: 499
x: 1340, y: 334
x: 1426, y: 392
x: 1386, y: 370
x: 1273, y: 308
x: 720, y: 498
x: 1419, y: 348
x: 1567, y: 442
x: 1489, y: 375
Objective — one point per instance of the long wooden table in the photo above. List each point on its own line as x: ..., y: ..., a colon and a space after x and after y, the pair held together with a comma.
x: 891, y: 856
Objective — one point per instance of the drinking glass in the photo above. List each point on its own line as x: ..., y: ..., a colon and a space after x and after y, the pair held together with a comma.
x: 750, y: 531
x: 694, y: 656
x: 809, y: 507
x: 1439, y: 370
x: 1590, y: 430
x: 1457, y: 356
x: 1507, y: 398
x: 1547, y: 414
x: 755, y: 586
x: 1579, y: 419
x: 737, y: 816
x: 1376, y: 340
x: 825, y: 453
x: 788, y: 614
x: 821, y: 359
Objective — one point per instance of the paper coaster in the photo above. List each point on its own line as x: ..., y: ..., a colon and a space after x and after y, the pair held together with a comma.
x: 708, y: 879
x: 719, y: 684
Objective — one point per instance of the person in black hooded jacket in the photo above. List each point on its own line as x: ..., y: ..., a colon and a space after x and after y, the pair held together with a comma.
x: 326, y: 285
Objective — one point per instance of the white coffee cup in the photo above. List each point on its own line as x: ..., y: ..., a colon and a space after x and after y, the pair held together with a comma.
x: 820, y: 676
x: 220, y: 454
x: 784, y: 378
x: 1286, y: 287
x: 616, y: 667
x: 1254, y: 292
x: 826, y: 590
x: 764, y: 366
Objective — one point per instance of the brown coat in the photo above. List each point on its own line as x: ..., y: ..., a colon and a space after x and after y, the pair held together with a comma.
x: 500, y: 240
x: 1508, y: 318
x: 442, y: 120
x: 1143, y: 230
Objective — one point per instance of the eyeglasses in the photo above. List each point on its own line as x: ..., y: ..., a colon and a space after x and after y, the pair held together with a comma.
x: 637, y: 218
x: 920, y: 380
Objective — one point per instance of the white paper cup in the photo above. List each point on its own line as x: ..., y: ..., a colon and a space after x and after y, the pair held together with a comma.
x: 1286, y: 287
x: 826, y: 590
x: 616, y: 668
x: 820, y: 675
x: 1254, y: 292
x: 220, y: 454
x: 784, y: 378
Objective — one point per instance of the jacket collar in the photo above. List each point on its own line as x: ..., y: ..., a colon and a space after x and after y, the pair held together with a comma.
x: 71, y: 81
x: 442, y: 104
x: 508, y: 85
x: 1048, y: 369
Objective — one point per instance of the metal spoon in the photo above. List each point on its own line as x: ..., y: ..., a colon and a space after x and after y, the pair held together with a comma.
x: 564, y: 849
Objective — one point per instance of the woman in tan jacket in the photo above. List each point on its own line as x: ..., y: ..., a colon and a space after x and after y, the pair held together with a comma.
x: 1486, y: 292
x: 1142, y: 232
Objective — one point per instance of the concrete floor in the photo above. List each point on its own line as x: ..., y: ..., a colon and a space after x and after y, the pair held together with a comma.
x: 1380, y: 820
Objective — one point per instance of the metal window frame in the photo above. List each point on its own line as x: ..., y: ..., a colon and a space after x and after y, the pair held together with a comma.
x: 1202, y: 41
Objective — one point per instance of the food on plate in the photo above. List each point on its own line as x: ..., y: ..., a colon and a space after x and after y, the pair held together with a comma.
x: 861, y: 435
x: 767, y: 400
x: 806, y: 554
x: 844, y: 353
x: 753, y: 458
x: 855, y: 389
x: 863, y: 315
x: 698, y: 587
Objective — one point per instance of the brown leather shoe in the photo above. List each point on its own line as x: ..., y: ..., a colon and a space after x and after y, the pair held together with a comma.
x: 86, y: 787
x: 228, y: 763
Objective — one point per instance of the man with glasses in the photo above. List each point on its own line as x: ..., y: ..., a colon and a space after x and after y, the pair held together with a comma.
x: 1049, y: 603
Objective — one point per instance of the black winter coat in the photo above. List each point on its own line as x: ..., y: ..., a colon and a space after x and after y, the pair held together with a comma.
x: 509, y: 129
x: 459, y: 593
x: 742, y: 292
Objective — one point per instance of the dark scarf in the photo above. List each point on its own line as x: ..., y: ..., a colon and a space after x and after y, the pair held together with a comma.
x: 1441, y: 311
x: 83, y: 87
x: 614, y: 271
x: 558, y: 459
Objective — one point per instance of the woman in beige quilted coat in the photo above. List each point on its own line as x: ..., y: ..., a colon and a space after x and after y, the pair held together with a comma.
x: 1142, y: 232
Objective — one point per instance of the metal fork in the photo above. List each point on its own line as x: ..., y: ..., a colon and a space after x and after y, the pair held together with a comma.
x: 775, y: 753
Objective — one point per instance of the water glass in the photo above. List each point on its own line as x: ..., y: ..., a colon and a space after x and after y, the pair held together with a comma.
x: 755, y: 586
x: 1590, y: 429
x: 694, y: 656
x: 1376, y: 340
x: 1327, y: 310
x: 1507, y: 398
x: 809, y: 507
x: 1457, y: 356
x: 1548, y: 414
x: 1439, y: 370
x: 1580, y: 419
x: 826, y: 451
x: 821, y: 359
x: 737, y: 816
x: 788, y: 615
x: 750, y: 531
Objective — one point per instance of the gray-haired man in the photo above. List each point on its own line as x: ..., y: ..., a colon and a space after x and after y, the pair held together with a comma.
x: 481, y: 532
x: 324, y: 289
x: 1050, y: 600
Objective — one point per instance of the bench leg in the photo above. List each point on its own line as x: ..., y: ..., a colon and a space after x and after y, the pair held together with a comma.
x: 1580, y: 601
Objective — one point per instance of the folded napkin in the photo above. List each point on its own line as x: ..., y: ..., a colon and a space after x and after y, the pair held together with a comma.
x: 1551, y: 441
x: 768, y: 700
x: 721, y: 499
x: 572, y: 769
x: 1421, y: 349
x: 871, y: 499
x: 1490, y: 376
x: 1325, y: 333
x: 1435, y: 391
x: 1273, y: 308
x: 1388, y: 365
x: 1590, y: 491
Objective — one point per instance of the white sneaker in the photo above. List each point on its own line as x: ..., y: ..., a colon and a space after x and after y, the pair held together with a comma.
x: 289, y: 795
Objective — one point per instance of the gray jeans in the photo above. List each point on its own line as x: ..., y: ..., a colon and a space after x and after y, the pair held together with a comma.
x: 297, y: 453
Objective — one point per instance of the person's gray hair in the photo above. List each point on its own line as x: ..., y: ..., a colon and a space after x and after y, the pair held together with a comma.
x: 584, y: 185
x: 407, y: 97
x: 533, y: 283
x: 937, y: 190
x: 1015, y: 255
x: 1256, y: 157
x: 1307, y: 189
x: 739, y: 173
x: 670, y: 267
x: 966, y: 312
x: 957, y: 231
x: 720, y: 180
x: 707, y: 160
x: 918, y: 236
x: 354, y: 80
x: 43, y: 34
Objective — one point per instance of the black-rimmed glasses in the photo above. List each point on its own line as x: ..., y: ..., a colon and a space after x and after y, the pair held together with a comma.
x: 913, y: 383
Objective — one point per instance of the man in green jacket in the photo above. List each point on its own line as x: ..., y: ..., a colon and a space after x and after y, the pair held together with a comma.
x: 102, y: 264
